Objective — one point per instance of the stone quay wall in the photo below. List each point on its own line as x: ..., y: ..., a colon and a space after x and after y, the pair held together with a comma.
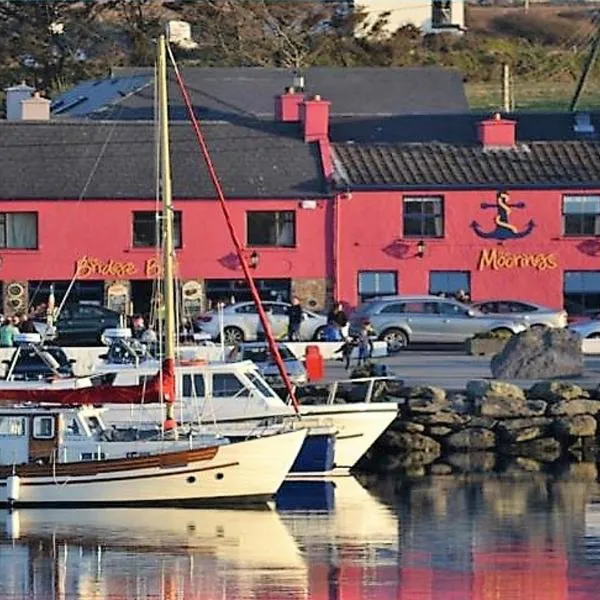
x: 489, y: 424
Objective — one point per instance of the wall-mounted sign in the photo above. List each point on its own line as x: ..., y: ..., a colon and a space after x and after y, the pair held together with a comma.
x: 504, y: 230
x: 88, y: 266
x: 191, y: 295
x: 117, y: 297
x: 495, y: 259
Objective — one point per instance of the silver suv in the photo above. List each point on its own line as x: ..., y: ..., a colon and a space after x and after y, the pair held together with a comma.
x: 399, y: 320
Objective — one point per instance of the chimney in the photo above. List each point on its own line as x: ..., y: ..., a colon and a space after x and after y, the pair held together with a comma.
x: 14, y: 96
x: 497, y: 132
x: 35, y: 108
x: 314, y: 115
x: 287, y: 106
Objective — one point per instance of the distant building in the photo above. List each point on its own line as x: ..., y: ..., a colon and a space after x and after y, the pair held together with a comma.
x: 430, y: 16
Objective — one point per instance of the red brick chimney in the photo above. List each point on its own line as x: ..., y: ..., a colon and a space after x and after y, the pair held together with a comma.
x: 497, y: 132
x: 287, y: 106
x: 314, y: 114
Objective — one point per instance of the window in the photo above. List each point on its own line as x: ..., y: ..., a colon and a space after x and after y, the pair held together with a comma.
x: 420, y: 308
x: 227, y: 384
x: 19, y: 230
x: 272, y: 228
x: 197, y: 391
x: 145, y: 229
x: 581, y: 215
x: 441, y: 13
x: 582, y: 290
x: 260, y: 384
x: 423, y: 216
x: 449, y: 282
x: 43, y: 428
x: 451, y: 310
x: 377, y: 283
x: 12, y: 426
x: 90, y: 456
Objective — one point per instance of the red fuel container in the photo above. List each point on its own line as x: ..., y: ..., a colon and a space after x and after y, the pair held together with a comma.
x: 315, y: 365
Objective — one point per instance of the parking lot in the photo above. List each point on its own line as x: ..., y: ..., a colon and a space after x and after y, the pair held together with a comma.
x: 450, y: 368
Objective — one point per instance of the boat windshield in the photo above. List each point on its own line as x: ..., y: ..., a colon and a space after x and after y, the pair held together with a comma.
x: 260, y: 384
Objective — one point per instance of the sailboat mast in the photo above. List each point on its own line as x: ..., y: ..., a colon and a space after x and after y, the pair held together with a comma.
x: 167, y: 202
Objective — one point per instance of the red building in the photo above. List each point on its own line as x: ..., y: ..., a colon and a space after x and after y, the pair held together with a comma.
x: 330, y: 202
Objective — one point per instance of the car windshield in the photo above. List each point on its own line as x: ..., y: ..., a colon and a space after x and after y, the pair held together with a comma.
x: 260, y: 354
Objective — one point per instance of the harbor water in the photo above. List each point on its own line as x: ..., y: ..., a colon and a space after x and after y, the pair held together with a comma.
x: 521, y: 536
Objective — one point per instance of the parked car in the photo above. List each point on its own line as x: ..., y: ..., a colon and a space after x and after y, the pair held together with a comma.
x: 258, y: 353
x: 399, y: 320
x: 589, y: 329
x: 241, y: 319
x: 534, y: 314
x: 80, y: 325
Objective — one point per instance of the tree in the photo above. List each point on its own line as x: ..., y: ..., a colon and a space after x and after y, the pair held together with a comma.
x: 47, y: 42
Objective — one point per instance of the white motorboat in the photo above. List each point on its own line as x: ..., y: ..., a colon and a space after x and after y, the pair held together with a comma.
x: 66, y: 456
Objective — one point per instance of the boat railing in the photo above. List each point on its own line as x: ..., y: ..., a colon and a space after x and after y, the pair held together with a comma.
x: 368, y: 382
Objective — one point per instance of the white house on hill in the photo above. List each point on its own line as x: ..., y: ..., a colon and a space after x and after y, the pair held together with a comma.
x: 431, y: 16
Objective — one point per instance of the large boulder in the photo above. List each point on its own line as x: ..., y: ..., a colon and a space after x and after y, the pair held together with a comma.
x: 555, y: 391
x: 574, y: 407
x: 474, y: 438
x: 511, y: 407
x: 577, y: 426
x: 485, y: 388
x: 540, y: 354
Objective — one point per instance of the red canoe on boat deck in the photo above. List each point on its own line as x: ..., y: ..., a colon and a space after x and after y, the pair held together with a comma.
x: 159, y: 388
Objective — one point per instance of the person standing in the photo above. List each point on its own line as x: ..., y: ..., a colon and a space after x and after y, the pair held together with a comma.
x: 365, y: 345
x: 338, y: 317
x: 26, y: 325
x: 7, y: 333
x: 295, y: 316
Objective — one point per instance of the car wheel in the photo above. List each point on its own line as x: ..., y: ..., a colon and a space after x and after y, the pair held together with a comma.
x: 395, y: 339
x: 319, y: 334
x: 233, y: 335
x: 539, y: 327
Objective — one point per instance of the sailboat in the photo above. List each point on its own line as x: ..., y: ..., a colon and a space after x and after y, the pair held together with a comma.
x: 232, y: 398
x: 63, y: 456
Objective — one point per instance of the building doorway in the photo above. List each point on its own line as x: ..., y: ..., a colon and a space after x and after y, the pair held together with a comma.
x: 142, y: 293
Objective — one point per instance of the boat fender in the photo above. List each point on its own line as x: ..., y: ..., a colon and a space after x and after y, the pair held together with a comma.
x: 13, y: 488
x: 192, y: 362
x: 13, y: 525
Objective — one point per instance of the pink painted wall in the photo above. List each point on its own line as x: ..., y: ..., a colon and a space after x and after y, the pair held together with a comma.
x: 370, y: 230
x: 68, y: 230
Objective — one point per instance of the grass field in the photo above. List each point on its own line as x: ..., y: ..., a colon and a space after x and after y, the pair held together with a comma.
x: 545, y: 95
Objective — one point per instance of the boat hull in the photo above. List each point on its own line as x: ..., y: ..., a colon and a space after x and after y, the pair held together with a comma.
x: 225, y: 475
x: 358, y: 425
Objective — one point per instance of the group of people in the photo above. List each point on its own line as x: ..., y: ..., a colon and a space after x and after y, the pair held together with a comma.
x: 461, y: 296
x: 13, y: 326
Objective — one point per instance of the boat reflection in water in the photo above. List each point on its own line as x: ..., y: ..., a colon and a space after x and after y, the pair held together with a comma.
x: 349, y: 536
x: 146, y: 553
x: 464, y: 537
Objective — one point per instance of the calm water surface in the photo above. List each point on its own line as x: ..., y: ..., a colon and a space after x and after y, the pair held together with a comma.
x: 527, y: 537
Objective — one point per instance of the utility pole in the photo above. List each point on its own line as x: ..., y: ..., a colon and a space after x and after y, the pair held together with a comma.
x: 506, y: 88
x: 586, y: 71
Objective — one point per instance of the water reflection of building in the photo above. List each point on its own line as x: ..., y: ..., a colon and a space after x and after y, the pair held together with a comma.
x: 490, y: 538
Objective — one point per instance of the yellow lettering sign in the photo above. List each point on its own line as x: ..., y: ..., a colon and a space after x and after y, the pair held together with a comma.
x: 495, y: 259
x: 88, y: 266
x: 153, y: 268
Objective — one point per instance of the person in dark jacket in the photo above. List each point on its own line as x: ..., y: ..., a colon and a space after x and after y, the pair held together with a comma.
x: 338, y: 317
x: 295, y: 316
x: 26, y: 325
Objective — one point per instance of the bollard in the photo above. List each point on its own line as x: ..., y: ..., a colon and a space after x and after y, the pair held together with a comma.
x: 315, y: 365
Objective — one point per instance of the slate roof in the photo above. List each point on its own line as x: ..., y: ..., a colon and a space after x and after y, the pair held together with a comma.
x: 56, y: 159
x: 454, y: 128
x: 220, y: 93
x: 430, y: 165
